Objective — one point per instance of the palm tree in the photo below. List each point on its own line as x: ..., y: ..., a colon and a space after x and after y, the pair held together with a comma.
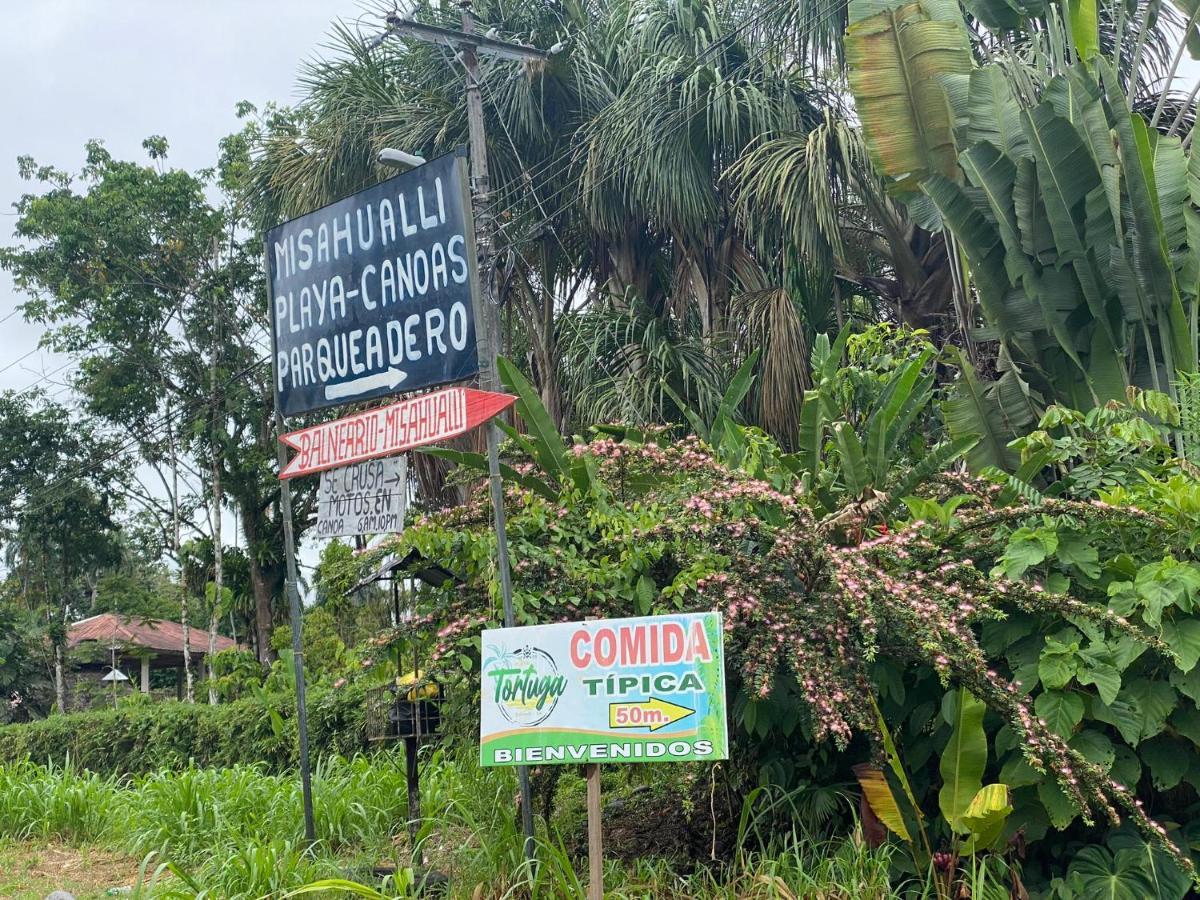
x: 608, y: 166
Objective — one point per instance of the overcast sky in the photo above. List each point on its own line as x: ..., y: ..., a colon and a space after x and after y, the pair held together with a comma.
x: 120, y: 70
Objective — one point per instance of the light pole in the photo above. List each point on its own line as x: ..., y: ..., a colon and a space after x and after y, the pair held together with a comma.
x: 467, y: 46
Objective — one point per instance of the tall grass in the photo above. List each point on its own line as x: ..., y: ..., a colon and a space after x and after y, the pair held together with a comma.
x: 227, y: 833
x: 238, y: 833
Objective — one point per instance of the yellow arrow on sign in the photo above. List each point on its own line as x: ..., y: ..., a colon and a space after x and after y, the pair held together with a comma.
x: 653, y: 714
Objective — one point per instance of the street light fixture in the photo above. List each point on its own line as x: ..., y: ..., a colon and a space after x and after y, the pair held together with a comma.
x: 398, y: 159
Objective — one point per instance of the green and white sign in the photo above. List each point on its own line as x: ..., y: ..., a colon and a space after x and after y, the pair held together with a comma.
x: 650, y: 689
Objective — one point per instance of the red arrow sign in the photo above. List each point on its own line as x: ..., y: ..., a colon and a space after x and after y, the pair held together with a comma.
x: 401, y: 426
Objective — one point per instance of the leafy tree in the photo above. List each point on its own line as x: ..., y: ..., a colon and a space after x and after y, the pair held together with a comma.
x: 608, y: 169
x: 159, y: 292
x: 58, y: 500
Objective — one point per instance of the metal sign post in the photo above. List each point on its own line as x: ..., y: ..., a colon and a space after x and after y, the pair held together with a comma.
x: 468, y: 44
x: 489, y: 349
x: 292, y: 587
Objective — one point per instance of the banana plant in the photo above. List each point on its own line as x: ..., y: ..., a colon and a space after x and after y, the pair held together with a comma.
x: 1079, y: 222
x: 975, y: 812
x: 862, y: 473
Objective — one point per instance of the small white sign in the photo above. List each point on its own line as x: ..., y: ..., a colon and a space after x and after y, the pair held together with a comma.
x: 366, y: 498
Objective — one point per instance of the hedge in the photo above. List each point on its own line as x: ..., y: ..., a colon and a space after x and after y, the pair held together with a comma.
x: 138, y: 739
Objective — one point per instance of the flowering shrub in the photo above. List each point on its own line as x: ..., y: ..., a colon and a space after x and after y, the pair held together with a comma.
x: 654, y: 526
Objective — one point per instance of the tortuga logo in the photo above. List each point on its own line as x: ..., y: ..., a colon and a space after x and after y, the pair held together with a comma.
x: 526, y: 684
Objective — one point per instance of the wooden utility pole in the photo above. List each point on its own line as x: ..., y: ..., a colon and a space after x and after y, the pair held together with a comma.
x: 468, y: 46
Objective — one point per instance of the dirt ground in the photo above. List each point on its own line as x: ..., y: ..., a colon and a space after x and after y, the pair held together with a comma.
x: 31, y: 870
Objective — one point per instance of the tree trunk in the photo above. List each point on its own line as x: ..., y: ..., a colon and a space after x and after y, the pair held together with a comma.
x: 183, y: 604
x: 60, y: 689
x: 218, y: 580
x: 218, y: 434
x: 189, y: 686
x: 264, y: 622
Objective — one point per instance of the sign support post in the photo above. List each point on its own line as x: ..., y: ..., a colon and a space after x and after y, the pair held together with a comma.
x: 595, y: 834
x: 292, y: 586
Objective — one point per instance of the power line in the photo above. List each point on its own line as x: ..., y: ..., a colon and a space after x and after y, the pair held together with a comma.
x: 94, y: 465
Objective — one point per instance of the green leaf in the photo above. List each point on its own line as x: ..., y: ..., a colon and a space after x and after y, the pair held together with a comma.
x: 1061, y: 809
x: 1085, y: 28
x: 963, y: 759
x: 1187, y: 722
x: 1127, y: 768
x: 1095, y: 872
x: 1057, y: 665
x: 739, y: 387
x: 1167, y: 759
x: 1106, y: 679
x: 993, y: 115
x: 1028, y: 547
x: 896, y: 60
x: 693, y: 417
x: 1150, y: 703
x: 1187, y: 684
x: 1017, y: 773
x: 1095, y: 747
x: 978, y: 408
x: 1170, y: 881
x: 1165, y: 584
x: 552, y: 453
x: 1061, y: 710
x: 1075, y: 550
x: 986, y: 814
x: 936, y: 460
x: 854, y: 470
x: 479, y: 462
x: 812, y: 435
x: 1184, y: 638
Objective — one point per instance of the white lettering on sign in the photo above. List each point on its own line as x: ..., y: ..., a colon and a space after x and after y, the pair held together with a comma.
x: 391, y: 429
x: 374, y: 293
x: 365, y: 498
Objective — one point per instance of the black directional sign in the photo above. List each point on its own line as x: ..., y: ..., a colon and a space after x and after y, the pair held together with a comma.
x: 373, y: 294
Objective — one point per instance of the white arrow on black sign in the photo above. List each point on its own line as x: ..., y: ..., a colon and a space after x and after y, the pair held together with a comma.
x: 389, y: 379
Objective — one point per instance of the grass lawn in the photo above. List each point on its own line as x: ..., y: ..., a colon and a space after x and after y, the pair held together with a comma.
x: 31, y: 870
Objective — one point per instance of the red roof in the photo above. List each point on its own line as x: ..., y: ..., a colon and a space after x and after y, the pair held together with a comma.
x: 154, y: 635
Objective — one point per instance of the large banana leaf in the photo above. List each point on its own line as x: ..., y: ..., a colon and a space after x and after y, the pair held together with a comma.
x: 1067, y: 173
x: 881, y: 800
x: 986, y: 814
x: 1151, y: 259
x: 1006, y: 310
x: 964, y: 758
x: 993, y: 114
x: 1085, y: 28
x: 897, y: 59
x: 996, y: 412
